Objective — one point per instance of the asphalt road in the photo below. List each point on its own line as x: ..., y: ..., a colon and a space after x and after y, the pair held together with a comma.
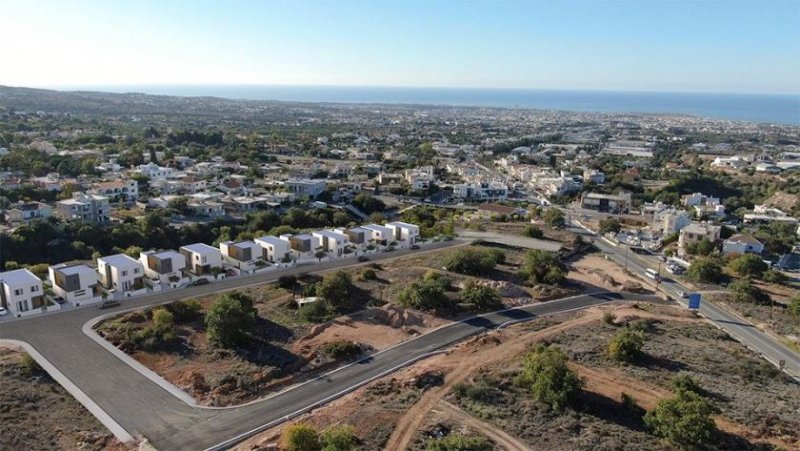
x: 740, y: 329
x: 145, y: 409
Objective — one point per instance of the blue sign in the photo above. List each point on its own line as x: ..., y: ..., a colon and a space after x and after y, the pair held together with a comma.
x: 694, y: 301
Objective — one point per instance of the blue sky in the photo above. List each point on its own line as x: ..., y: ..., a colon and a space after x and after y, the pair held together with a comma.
x: 638, y: 45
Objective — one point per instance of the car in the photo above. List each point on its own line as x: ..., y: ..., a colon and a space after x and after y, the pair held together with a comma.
x: 199, y: 282
x: 3, y: 311
x: 363, y: 258
x: 415, y: 246
x: 683, y: 294
x: 59, y: 299
x: 109, y: 304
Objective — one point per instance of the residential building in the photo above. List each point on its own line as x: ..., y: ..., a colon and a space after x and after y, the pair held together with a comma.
x: 25, y: 212
x: 21, y: 292
x: 302, y: 244
x: 273, y: 249
x: 695, y: 232
x: 121, y: 273
x: 404, y: 232
x: 85, y: 207
x: 201, y: 259
x: 357, y: 235
x: 607, y: 203
x: 77, y: 283
x: 379, y: 234
x: 742, y: 244
x: 670, y: 220
x: 164, y: 266
x: 118, y: 190
x: 310, y: 188
x: 690, y: 200
x: 332, y: 242
x: 481, y: 192
x: 155, y: 172
x: 242, y: 255
x: 594, y: 176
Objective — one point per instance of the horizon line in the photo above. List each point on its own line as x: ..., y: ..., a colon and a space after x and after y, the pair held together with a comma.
x: 99, y: 86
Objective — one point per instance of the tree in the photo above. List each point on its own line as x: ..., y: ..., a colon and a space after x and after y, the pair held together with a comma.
x: 337, y: 289
x: 546, y: 375
x: 367, y: 203
x: 473, y: 261
x: 626, y: 345
x: 705, y: 270
x: 703, y: 247
x: 685, y: 420
x: 320, y: 254
x: 532, y: 231
x: 300, y: 437
x: 554, y: 218
x: 483, y: 297
x: 609, y: 225
x: 543, y: 267
x: 742, y: 290
x: 748, y: 265
x: 230, y: 319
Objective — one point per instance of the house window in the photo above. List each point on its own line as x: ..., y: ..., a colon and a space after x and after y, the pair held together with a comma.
x: 136, y: 270
x: 34, y: 289
x: 124, y: 273
x: 18, y: 292
x: 22, y: 306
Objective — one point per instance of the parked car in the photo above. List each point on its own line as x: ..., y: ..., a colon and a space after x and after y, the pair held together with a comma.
x: 683, y: 294
x: 59, y: 299
x: 109, y: 304
x: 3, y: 311
x: 415, y: 246
x: 199, y: 282
x: 363, y: 258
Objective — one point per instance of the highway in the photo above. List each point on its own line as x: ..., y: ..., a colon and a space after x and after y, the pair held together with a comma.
x: 745, y: 332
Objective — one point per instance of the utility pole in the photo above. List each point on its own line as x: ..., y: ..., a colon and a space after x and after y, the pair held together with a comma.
x: 658, y: 275
x: 627, y: 247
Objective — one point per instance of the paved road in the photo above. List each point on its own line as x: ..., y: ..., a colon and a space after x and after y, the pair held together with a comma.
x: 146, y: 409
x: 744, y: 331
x: 511, y: 240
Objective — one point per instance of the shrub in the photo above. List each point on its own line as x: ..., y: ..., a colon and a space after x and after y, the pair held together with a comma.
x: 425, y: 295
x: 553, y: 217
x: 317, y: 312
x: 341, y: 349
x: 369, y: 274
x: 458, y: 442
x: 483, y: 297
x: 543, y: 267
x: 473, y: 261
x: 742, y: 290
x: 481, y: 391
x: 339, y: 438
x: 337, y: 289
x: 609, y: 318
x: 287, y: 282
x: 794, y: 307
x: 684, y: 420
x: 532, y: 231
x: 703, y: 247
x: 705, y: 270
x: 185, y: 311
x: 230, y: 319
x: 686, y: 383
x: 300, y: 437
x: 29, y: 367
x: 772, y: 276
x: 609, y: 225
x: 546, y: 375
x: 626, y: 345
x: 748, y: 265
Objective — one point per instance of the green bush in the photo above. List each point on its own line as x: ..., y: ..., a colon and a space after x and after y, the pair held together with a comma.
x: 425, y: 295
x: 337, y: 289
x: 185, y: 311
x: 609, y: 318
x: 543, y: 267
x: 610, y: 225
x: 532, y: 231
x: 29, y: 367
x: 369, y: 274
x: 685, y: 420
x: 317, y: 312
x: 287, y: 282
x: 473, y: 261
x: 230, y: 320
x: 742, y: 290
x: 794, y: 307
x: 458, y: 442
x: 705, y: 270
x: 554, y: 218
x: 483, y: 297
x: 339, y: 438
x: 686, y: 383
x: 772, y: 276
x: 546, y: 375
x: 626, y: 345
x: 341, y: 349
x: 300, y: 437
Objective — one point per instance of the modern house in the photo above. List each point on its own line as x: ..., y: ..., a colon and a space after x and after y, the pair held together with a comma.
x: 273, y: 249
x: 310, y: 188
x: 122, y: 274
x: 164, y: 266
x: 379, y: 234
x: 21, y: 292
x: 202, y: 259
x: 742, y: 244
x: 331, y: 242
x: 118, y: 190
x: 242, y: 255
x: 404, y: 232
x: 77, y: 284
x: 25, y: 212
x: 85, y: 207
x: 357, y: 235
x: 696, y: 232
x: 302, y: 244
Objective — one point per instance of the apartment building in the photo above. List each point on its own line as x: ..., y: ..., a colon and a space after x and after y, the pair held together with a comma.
x: 118, y: 190
x: 25, y: 212
x: 85, y: 207
x: 607, y: 203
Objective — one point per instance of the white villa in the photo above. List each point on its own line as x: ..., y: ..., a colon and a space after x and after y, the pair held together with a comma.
x: 201, y: 259
x: 164, y: 266
x: 404, y: 232
x: 332, y: 242
x: 21, y: 292
x: 379, y: 234
x: 273, y: 249
x: 77, y: 284
x: 242, y: 255
x: 122, y: 274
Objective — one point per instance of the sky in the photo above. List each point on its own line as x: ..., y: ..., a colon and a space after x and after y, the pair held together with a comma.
x: 618, y: 45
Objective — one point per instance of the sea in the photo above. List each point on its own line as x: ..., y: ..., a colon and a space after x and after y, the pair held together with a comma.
x: 763, y: 108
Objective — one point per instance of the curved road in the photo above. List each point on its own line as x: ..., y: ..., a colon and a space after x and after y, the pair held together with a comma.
x: 143, y: 408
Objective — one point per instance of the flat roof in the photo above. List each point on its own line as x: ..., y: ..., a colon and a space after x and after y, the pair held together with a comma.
x: 119, y: 260
x: 72, y: 269
x: 19, y: 277
x: 200, y: 248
